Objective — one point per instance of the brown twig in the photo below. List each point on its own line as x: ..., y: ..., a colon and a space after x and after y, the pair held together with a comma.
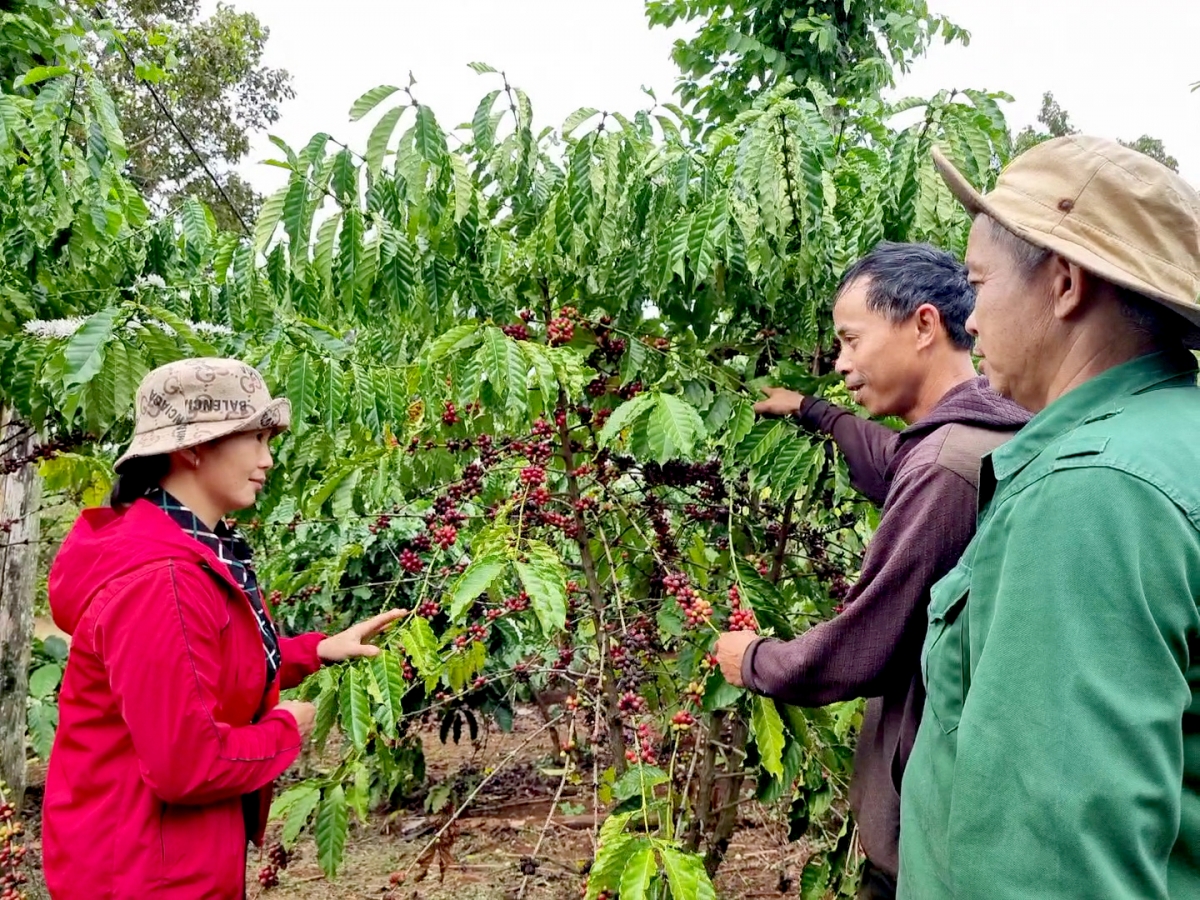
x: 474, y: 793
x: 784, y: 532
x: 545, y: 826
x: 616, y: 735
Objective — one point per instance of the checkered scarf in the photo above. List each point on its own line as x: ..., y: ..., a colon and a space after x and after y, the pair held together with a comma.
x: 231, y: 549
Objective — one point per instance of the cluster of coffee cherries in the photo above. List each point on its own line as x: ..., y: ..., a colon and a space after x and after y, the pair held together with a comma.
x: 683, y: 720
x: 444, y: 536
x: 597, y: 387
x: 520, y: 330
x: 645, y: 742
x: 476, y: 632
x: 630, y: 650
x: 42, y: 452
x: 6, y: 525
x: 825, y: 569
x: 696, y: 610
x: 741, y: 618
x: 442, y: 523
x: 533, y: 476
x: 660, y: 521
x: 630, y: 390
x: 561, y: 329
x: 410, y: 561
x: 631, y: 703
x: 277, y: 861
x: 610, y: 346
x: 12, y: 854
x: 517, y: 603
x: 276, y: 598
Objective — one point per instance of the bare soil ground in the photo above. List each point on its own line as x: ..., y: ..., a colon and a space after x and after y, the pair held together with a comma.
x: 493, y: 851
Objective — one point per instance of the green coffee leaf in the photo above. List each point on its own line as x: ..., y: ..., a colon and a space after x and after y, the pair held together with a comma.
x: 44, y: 680
x: 85, y: 351
x: 624, y: 416
x: 673, y: 428
x: 474, y: 581
x: 388, y: 679
x: 545, y: 581
x: 333, y: 821
x: 767, y: 727
x: 686, y: 875
x: 370, y: 100
x: 355, y: 708
x: 640, y: 869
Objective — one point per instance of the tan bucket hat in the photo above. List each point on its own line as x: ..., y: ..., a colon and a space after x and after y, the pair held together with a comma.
x: 1111, y: 210
x: 194, y: 401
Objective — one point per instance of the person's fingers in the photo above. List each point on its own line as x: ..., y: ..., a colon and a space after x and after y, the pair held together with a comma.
x: 368, y: 650
x: 374, y: 625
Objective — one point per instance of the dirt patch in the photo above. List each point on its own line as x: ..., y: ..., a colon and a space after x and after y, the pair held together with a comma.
x: 492, y: 856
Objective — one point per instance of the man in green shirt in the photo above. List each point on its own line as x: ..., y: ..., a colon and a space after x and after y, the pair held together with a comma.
x: 1059, y: 751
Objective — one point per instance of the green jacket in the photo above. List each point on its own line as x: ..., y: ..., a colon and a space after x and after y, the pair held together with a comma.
x: 1059, y: 751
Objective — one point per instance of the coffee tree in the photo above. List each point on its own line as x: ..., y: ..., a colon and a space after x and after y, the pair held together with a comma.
x: 522, y: 364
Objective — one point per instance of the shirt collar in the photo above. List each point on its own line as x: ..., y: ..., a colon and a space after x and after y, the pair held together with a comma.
x: 191, y: 523
x: 1095, y: 399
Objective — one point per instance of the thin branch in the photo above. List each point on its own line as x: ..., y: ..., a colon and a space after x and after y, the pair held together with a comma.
x: 474, y: 793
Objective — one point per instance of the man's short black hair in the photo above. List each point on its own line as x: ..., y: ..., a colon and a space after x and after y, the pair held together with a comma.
x: 901, y: 277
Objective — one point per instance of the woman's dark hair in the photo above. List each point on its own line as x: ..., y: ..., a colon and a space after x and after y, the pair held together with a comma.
x: 137, y: 478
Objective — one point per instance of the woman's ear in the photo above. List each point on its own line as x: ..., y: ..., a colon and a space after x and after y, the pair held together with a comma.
x: 185, y: 459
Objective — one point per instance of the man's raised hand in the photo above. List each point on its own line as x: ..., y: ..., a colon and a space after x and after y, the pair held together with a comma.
x: 779, y: 402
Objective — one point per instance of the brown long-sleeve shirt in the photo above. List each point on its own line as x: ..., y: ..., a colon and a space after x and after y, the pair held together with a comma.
x: 926, y: 479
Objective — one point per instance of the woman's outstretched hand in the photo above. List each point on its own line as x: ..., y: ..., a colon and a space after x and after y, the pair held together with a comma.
x: 353, y: 642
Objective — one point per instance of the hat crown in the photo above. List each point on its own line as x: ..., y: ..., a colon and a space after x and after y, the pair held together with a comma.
x: 1109, y: 209
x: 1113, y: 189
x: 194, y: 401
x: 199, y: 390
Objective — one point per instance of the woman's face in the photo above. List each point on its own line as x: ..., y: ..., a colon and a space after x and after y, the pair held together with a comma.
x: 233, y: 470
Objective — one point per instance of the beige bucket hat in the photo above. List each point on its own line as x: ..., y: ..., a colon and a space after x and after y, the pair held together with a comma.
x: 1111, y: 210
x: 194, y: 401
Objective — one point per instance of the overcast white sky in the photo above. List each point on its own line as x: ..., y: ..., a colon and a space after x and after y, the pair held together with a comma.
x: 1119, y: 70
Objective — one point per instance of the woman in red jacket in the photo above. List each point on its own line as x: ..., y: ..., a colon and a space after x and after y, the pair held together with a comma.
x: 170, y: 726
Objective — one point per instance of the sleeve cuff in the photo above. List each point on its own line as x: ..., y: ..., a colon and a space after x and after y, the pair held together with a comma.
x: 310, y: 642
x: 748, y: 665
x: 810, y: 412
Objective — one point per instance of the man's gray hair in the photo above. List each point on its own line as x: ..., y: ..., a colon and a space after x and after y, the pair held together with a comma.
x: 1148, y: 317
x: 1027, y: 257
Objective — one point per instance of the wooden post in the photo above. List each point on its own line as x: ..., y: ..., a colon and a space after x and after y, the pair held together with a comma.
x: 20, y: 498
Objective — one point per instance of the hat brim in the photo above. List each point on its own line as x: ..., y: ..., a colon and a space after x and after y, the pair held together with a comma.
x: 976, y: 203
x: 167, y: 439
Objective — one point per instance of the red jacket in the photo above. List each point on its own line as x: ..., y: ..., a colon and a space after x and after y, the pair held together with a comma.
x: 156, y: 740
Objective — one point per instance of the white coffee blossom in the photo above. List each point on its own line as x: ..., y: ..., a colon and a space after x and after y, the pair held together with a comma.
x: 49, y: 329
x: 151, y: 280
x: 211, y: 328
x: 54, y: 328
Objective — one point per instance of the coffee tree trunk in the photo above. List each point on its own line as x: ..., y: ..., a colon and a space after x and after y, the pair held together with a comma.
x: 18, y: 571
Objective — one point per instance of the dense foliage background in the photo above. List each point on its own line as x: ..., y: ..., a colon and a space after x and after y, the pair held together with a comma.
x: 522, y: 361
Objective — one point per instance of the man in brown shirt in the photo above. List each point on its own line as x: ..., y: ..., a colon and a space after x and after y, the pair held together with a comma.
x: 900, y: 318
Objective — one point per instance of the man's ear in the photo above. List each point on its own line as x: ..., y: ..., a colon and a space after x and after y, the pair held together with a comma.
x: 928, y: 322
x: 1067, y: 283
